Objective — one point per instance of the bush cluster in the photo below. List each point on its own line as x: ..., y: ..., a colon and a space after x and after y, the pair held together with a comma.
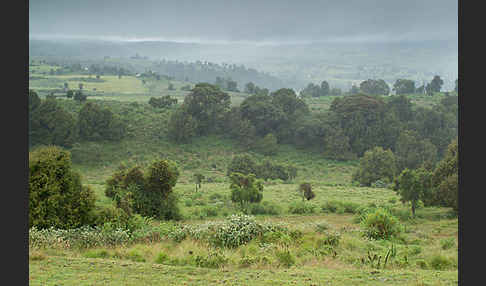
x: 380, y: 224
x: 149, y: 194
x: 245, y: 164
x: 236, y: 230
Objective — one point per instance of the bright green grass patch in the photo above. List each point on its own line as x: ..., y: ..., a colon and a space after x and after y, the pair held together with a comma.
x: 111, y: 84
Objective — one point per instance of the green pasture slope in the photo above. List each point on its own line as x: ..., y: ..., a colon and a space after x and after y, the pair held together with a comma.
x: 426, y: 254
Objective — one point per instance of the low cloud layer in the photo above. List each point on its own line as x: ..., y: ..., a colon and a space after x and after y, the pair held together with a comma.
x: 219, y: 21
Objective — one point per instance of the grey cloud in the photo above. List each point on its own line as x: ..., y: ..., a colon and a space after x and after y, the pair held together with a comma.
x: 252, y: 21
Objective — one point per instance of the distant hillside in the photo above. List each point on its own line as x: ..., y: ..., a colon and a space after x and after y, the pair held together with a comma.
x: 290, y: 65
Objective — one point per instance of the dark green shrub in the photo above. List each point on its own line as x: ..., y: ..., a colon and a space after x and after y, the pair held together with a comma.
x: 162, y: 102
x: 265, y: 208
x: 440, y: 262
x: 147, y: 194
x: 243, y: 164
x: 285, y: 258
x: 301, y: 208
x: 447, y: 243
x: 340, y: 207
x: 56, y: 196
x: 332, y: 238
x: 380, y: 224
x: 80, y: 96
x: 162, y: 258
x: 245, y: 189
x: 214, y: 259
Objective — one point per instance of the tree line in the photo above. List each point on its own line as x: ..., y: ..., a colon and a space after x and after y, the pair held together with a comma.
x: 50, y: 124
x: 352, y: 125
x: 377, y: 87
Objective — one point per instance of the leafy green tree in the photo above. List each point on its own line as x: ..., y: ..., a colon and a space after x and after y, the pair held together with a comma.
x: 412, y: 152
x: 420, y: 89
x: 263, y: 114
x: 245, y: 189
x: 354, y: 90
x: 268, y: 145
x: 376, y: 164
x: 325, y: 89
x: 181, y: 126
x: 445, y: 179
x: 335, y: 91
x: 96, y: 123
x: 207, y: 104
x: 436, y: 84
x: 292, y: 107
x: 437, y: 125
x: 374, y: 87
x: 243, y: 164
x: 365, y: 121
x: 162, y: 102
x: 50, y: 124
x: 401, y: 106
x: 309, y: 131
x: 56, y: 196
x: 413, y: 185
x: 70, y: 94
x: 250, y: 88
x: 404, y: 86
x: 80, y: 96
x: 336, y: 145
x: 156, y: 197
x: 311, y: 90
x: 34, y: 100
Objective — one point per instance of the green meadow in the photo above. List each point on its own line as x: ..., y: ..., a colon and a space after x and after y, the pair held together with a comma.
x: 425, y: 253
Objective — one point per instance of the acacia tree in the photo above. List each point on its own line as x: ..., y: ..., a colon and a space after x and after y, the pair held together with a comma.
x: 245, y: 189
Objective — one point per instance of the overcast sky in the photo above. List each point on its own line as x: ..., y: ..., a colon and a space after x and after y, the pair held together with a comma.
x: 246, y: 21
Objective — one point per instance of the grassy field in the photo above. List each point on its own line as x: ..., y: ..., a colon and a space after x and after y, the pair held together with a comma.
x: 426, y: 249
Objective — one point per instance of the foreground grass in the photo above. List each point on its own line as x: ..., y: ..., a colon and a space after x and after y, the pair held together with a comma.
x: 89, y: 271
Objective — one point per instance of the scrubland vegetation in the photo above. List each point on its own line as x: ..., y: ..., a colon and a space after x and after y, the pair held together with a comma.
x: 210, y: 186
